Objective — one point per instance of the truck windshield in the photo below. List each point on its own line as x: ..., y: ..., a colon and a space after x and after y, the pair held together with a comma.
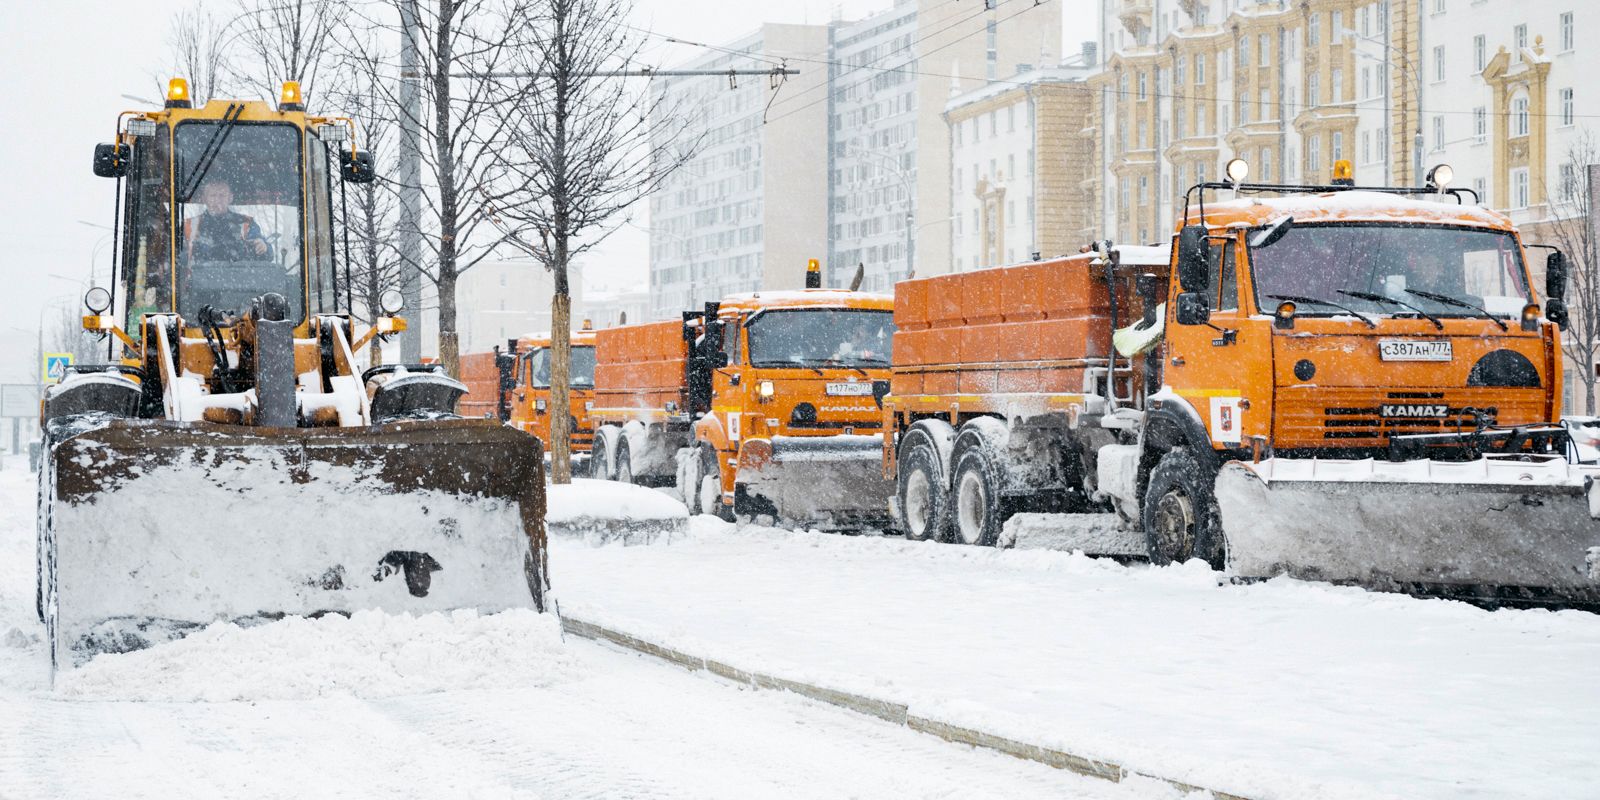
x: 821, y: 337
x: 1380, y: 269
x: 582, y: 367
x: 238, y: 191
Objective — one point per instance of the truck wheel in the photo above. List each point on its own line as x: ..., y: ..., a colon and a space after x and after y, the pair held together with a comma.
x: 1180, y: 512
x: 599, y: 465
x: 921, y: 500
x: 975, y: 513
x: 624, y: 467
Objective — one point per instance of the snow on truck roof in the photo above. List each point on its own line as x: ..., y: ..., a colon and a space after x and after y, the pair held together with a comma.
x: 806, y: 298
x: 1355, y: 206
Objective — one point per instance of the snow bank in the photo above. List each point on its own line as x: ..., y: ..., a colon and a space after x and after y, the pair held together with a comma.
x: 369, y: 654
x: 590, y: 498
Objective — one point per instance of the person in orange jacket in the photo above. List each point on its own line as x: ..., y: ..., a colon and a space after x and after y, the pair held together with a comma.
x: 220, y: 233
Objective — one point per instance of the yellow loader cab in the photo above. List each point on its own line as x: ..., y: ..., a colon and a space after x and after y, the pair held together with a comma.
x: 233, y: 460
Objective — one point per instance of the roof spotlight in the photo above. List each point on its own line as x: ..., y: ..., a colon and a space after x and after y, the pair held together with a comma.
x: 1237, y: 170
x: 1440, y: 176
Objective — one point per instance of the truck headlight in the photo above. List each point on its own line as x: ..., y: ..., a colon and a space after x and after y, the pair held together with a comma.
x: 539, y: 405
x: 766, y: 390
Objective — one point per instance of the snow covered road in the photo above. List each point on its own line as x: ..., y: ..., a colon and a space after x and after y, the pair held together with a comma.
x: 463, y: 707
x: 1283, y: 689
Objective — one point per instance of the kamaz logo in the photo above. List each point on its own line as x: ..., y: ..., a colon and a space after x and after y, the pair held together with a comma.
x: 1410, y: 410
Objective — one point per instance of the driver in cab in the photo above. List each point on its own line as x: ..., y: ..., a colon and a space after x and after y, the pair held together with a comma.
x: 220, y: 233
x: 860, y: 345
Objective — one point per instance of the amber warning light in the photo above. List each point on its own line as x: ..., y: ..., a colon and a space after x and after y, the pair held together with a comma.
x: 813, y: 274
x: 177, y: 93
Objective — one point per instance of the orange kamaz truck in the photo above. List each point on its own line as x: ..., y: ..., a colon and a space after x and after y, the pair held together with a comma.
x: 513, y: 385
x: 1355, y: 385
x: 765, y: 404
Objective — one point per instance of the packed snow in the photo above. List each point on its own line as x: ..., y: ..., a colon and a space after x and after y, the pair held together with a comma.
x: 448, y: 706
x: 587, y: 498
x: 1281, y: 689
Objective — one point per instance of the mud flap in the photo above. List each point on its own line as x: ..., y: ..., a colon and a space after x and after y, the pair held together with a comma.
x: 829, y: 482
x: 1487, y: 528
x: 154, y: 527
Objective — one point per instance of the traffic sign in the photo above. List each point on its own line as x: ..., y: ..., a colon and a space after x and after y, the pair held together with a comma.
x: 55, y: 366
x: 19, y: 400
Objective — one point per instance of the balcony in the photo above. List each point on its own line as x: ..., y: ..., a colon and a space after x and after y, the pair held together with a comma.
x: 1136, y: 16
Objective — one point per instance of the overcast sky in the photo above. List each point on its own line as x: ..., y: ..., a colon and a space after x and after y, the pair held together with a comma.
x: 67, y: 63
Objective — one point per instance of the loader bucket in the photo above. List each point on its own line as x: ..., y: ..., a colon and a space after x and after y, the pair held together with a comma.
x: 828, y: 482
x: 1489, y: 530
x: 153, y: 528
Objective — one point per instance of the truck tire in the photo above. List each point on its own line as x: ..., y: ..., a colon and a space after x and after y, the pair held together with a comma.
x: 600, y: 454
x: 921, y: 488
x: 624, y: 468
x: 1180, y: 512
x: 976, y: 512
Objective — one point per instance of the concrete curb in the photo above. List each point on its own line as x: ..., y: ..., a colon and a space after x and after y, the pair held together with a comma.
x: 897, y: 713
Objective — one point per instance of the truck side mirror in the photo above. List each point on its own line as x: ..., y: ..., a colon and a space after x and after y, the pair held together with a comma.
x: 1555, y: 276
x: 1194, y: 271
x: 111, y: 160
x: 1193, y: 308
x: 719, y: 359
x: 1556, y: 311
x: 356, y: 167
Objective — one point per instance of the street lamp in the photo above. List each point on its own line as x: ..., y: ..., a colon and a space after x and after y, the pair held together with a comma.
x: 1416, y: 79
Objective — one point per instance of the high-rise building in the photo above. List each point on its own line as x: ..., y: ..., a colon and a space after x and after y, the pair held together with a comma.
x: 1290, y: 87
x: 1022, y: 171
x: 847, y: 162
x: 751, y: 203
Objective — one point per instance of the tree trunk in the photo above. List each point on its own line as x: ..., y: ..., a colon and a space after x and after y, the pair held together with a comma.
x: 560, y: 443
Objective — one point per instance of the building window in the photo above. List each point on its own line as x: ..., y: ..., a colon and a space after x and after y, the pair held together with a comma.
x: 1141, y: 85
x: 1366, y: 83
x: 1314, y: 90
x: 1144, y: 189
x: 1519, y: 187
x: 1519, y: 38
x: 1200, y: 119
x: 1244, y: 51
x: 1438, y: 63
x: 1481, y: 187
x: 1438, y: 132
x: 1266, y: 165
x: 1566, y: 107
x: 1143, y: 142
x: 1567, y: 189
x: 1178, y: 72
x: 1122, y: 197
x: 1314, y: 29
x: 1262, y: 51
x: 1222, y: 65
x: 1383, y: 143
x: 1338, y: 145
x: 1366, y: 147
x: 1383, y: 15
x: 1438, y: 6
x: 1199, y: 68
x: 1335, y: 23
x: 1480, y: 123
x: 1366, y: 18
x: 1479, y: 53
x: 1011, y: 119
x: 1338, y: 85
x: 1519, y: 116
x: 1566, y: 32
x: 1244, y: 109
x: 1177, y: 122
x: 1313, y: 154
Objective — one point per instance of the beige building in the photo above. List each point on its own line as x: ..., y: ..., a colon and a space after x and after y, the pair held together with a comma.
x: 500, y: 300
x: 1291, y: 87
x: 1021, y: 170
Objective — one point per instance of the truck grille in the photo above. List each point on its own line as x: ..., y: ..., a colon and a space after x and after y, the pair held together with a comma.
x: 1318, y: 417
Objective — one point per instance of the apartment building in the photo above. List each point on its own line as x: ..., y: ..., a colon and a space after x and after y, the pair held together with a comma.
x: 1022, y: 170
x: 1291, y: 87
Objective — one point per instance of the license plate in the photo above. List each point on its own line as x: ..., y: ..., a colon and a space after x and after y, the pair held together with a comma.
x: 1413, y: 410
x: 849, y: 389
x: 1412, y: 350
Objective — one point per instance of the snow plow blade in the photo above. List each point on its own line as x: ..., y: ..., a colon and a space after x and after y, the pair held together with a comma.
x: 826, y: 482
x: 155, y: 528
x: 1488, y: 530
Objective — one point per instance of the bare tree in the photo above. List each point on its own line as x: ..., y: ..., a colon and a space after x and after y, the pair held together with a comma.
x: 464, y: 124
x: 1571, y: 226
x: 585, y: 148
x: 200, y: 43
x: 283, y: 40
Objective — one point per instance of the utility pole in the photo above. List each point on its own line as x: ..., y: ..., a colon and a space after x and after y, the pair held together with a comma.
x: 410, y: 176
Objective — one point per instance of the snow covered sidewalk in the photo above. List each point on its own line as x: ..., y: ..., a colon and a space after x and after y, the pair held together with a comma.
x: 1275, y: 690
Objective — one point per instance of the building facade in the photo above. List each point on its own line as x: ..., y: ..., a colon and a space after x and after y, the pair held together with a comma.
x: 713, y: 230
x: 1022, y: 170
x: 1291, y: 87
x: 499, y: 300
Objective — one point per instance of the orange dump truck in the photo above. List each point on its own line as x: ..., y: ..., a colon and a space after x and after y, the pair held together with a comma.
x: 1341, y: 384
x: 514, y: 386
x: 763, y: 404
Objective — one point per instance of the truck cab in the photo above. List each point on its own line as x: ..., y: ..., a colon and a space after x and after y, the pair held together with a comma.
x: 529, y: 401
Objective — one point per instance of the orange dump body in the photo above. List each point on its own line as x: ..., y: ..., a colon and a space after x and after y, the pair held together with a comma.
x: 482, y: 377
x: 639, y: 371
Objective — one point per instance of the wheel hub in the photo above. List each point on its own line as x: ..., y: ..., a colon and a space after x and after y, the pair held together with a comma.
x: 970, y: 505
x: 1175, y: 523
x: 917, y: 503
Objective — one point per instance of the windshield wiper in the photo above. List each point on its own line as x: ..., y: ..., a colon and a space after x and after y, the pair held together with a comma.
x: 1451, y: 301
x: 1378, y: 298
x: 208, y: 154
x: 785, y: 364
x: 1300, y: 298
x: 839, y: 362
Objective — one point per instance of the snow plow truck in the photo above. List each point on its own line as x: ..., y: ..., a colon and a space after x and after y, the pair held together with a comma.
x: 232, y: 461
x: 1334, y: 383
x: 513, y: 386
x: 762, y: 405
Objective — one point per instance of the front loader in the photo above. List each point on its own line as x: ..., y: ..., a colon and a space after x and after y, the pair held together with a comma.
x: 235, y: 462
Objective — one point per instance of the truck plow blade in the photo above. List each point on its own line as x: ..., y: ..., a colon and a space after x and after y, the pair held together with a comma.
x: 828, y: 482
x: 1494, y: 530
x: 149, y: 529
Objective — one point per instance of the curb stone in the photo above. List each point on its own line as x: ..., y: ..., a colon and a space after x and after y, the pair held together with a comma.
x: 896, y: 713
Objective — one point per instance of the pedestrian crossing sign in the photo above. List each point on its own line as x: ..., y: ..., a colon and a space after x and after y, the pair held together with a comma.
x: 55, y: 366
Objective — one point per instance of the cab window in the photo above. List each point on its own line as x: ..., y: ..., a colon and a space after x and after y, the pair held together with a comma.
x: 1224, y: 280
